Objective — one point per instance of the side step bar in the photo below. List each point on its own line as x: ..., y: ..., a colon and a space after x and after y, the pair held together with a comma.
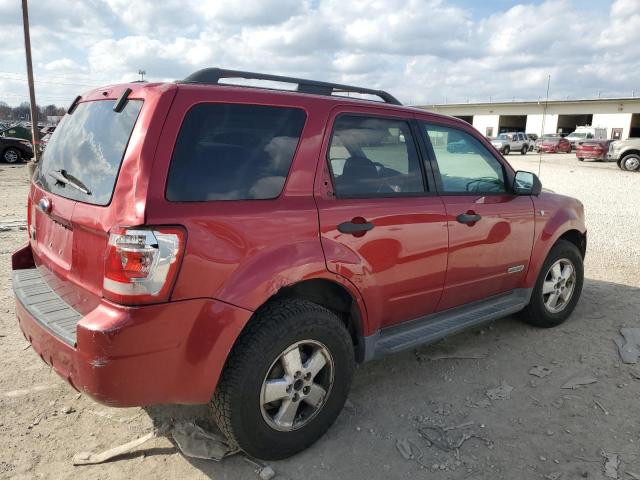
x: 433, y: 327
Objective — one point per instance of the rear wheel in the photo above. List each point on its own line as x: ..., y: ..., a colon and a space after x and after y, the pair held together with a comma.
x: 12, y: 155
x: 506, y: 150
x: 558, y: 287
x: 631, y: 162
x: 286, y: 380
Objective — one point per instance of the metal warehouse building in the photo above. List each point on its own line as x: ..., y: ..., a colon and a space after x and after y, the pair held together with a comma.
x: 620, y: 116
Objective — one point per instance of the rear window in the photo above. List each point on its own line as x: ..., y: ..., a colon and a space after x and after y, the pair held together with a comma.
x: 233, y: 152
x: 86, y: 149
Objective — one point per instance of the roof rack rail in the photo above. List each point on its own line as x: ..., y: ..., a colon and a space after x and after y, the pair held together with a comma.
x: 213, y: 76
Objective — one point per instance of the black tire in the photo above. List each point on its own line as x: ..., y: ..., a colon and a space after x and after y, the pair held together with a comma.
x: 620, y: 165
x: 536, y: 313
x: 236, y: 404
x: 12, y: 155
x: 506, y: 150
x: 525, y: 149
x: 580, y: 159
x: 632, y: 158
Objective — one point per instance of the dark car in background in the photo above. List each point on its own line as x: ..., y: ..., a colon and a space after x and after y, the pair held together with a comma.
x: 14, y: 150
x: 593, y: 150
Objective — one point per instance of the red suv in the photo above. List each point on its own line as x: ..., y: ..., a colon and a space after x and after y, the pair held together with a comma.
x: 198, y: 242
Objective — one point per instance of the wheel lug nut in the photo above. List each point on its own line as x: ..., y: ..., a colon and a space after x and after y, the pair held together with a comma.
x: 307, y: 376
x: 296, y: 397
x: 306, y: 390
x: 297, y: 374
x: 289, y: 387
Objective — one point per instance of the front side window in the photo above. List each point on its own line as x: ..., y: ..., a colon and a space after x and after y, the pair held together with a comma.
x: 233, y: 152
x: 372, y: 156
x: 465, y: 165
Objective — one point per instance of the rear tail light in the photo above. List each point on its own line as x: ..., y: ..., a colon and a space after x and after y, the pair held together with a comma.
x: 141, y: 264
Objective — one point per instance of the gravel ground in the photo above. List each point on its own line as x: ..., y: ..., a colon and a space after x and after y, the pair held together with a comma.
x: 535, y: 431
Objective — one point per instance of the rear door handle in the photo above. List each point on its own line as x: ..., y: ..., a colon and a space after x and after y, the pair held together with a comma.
x: 355, y: 227
x: 468, y: 218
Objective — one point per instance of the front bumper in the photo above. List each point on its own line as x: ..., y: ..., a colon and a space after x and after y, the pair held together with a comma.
x: 132, y: 356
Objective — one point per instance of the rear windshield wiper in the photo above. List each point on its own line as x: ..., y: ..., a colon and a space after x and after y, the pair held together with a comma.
x: 67, y: 179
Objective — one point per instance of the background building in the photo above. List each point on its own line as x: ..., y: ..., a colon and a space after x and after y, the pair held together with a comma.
x: 620, y: 116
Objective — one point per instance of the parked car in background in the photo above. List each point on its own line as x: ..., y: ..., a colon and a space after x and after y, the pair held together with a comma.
x: 533, y: 138
x: 593, y: 150
x: 253, y: 265
x: 555, y: 145
x: 580, y: 134
x: 14, y: 150
x: 539, y: 140
x: 626, y: 153
x: 511, y: 142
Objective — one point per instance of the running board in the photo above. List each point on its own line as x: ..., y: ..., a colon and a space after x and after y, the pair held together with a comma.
x: 433, y: 327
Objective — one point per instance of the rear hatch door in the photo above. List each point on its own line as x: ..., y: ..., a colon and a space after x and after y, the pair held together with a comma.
x: 85, y: 184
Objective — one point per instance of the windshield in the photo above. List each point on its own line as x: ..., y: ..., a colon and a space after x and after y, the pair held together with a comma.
x: 504, y: 136
x: 86, y: 150
x: 578, y: 135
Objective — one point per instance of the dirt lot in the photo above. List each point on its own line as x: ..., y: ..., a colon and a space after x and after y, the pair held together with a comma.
x: 539, y: 432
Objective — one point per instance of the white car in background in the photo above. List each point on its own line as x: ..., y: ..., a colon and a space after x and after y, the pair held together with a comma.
x: 580, y: 134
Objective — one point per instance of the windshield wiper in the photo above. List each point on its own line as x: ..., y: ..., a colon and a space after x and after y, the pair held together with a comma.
x: 65, y: 178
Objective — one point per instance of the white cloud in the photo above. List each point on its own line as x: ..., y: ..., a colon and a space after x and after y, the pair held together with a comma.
x: 420, y: 50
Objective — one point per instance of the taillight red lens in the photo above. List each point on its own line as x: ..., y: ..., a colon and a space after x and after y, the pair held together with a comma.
x: 141, y: 264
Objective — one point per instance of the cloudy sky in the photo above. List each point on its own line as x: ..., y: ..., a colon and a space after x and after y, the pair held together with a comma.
x: 423, y: 51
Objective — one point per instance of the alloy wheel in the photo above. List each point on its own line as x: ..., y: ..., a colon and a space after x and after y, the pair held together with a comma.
x: 297, y: 385
x: 11, y: 156
x: 559, y: 285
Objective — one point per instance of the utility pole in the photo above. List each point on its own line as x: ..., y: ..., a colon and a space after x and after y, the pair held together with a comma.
x: 32, y: 93
x: 142, y: 73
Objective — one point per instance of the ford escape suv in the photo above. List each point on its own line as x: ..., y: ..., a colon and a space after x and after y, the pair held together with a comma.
x: 200, y: 242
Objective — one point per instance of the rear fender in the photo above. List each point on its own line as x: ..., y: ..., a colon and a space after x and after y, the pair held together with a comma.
x: 266, y: 273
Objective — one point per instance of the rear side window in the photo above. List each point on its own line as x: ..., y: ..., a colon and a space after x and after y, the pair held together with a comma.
x: 372, y: 156
x: 233, y: 152
x: 83, y: 156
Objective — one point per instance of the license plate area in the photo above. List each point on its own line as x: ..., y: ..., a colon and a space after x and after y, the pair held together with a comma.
x: 55, y: 239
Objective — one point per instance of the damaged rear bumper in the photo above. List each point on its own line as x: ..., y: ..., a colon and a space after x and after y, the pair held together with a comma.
x: 131, y: 356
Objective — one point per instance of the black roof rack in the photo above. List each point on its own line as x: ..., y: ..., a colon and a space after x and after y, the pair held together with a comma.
x: 213, y: 76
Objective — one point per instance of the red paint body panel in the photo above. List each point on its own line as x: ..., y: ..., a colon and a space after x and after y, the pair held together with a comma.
x: 128, y: 356
x: 592, y: 149
x: 238, y: 254
x: 556, y: 146
x: 480, y: 254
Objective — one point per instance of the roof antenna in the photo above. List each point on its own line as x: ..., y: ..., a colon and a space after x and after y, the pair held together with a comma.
x: 544, y: 117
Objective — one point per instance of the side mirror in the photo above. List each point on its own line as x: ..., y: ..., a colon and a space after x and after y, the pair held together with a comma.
x: 526, y: 183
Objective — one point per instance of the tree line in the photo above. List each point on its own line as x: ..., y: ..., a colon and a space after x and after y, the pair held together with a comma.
x: 23, y: 112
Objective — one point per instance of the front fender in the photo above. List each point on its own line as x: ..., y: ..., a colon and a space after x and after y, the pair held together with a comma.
x: 548, y: 229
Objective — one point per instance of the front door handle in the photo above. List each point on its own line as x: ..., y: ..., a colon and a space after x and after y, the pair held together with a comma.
x: 355, y: 226
x: 468, y: 217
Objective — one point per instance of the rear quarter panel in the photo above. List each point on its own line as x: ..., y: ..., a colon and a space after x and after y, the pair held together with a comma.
x: 243, y: 251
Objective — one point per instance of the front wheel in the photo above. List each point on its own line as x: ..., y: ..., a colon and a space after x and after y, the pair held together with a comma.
x: 12, y: 155
x: 580, y: 159
x: 524, y: 150
x: 558, y: 287
x: 506, y: 150
x: 630, y: 162
x: 286, y: 379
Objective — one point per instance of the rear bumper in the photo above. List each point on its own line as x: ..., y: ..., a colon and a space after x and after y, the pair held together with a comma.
x: 591, y: 154
x: 131, y: 356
